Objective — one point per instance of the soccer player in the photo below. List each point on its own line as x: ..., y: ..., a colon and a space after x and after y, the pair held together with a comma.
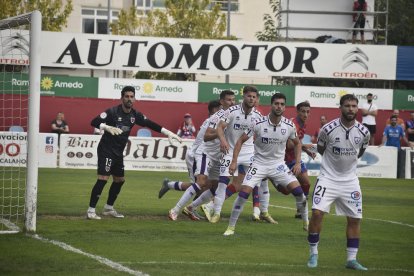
x: 213, y: 107
x: 232, y: 124
x: 303, y: 112
x: 341, y: 142
x: 271, y: 133
x: 117, y: 123
x: 207, y: 158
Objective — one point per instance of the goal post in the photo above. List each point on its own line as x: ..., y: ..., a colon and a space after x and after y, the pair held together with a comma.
x: 19, y: 59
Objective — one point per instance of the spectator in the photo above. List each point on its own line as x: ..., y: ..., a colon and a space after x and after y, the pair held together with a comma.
x: 359, y: 19
x: 59, y: 125
x: 323, y: 122
x: 409, y: 124
x: 369, y: 112
x: 393, y: 134
x: 187, y: 130
x: 400, y: 121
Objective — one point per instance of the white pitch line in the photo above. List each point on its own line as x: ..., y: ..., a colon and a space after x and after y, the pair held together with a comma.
x: 105, y: 261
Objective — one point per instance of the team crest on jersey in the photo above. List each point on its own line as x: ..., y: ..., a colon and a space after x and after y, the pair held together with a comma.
x: 132, y: 120
x: 103, y: 115
x: 283, y: 131
x: 107, y: 168
x: 316, y: 200
x: 222, y: 169
x: 357, y: 140
x: 356, y: 195
x: 249, y: 176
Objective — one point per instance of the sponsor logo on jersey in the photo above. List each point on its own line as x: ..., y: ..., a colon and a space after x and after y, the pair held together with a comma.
x: 265, y: 130
x: 237, y: 118
x: 119, y: 119
x: 266, y: 140
x: 344, y: 151
x: 337, y: 140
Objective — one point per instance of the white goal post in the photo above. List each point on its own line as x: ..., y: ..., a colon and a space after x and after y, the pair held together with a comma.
x: 19, y: 57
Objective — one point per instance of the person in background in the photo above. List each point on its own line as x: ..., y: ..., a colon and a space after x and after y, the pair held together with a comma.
x: 360, y: 6
x: 323, y: 121
x: 400, y: 121
x: 59, y: 125
x: 369, y: 112
x: 393, y: 134
x: 409, y: 126
x: 187, y: 129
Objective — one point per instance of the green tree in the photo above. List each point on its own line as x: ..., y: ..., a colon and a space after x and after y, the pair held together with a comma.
x: 180, y: 18
x: 54, y: 13
x: 269, y: 32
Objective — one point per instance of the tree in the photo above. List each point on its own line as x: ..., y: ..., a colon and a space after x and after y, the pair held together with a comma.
x: 54, y: 14
x: 269, y: 32
x: 180, y: 18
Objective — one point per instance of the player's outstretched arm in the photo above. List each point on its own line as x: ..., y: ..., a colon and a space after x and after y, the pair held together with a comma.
x: 171, y: 136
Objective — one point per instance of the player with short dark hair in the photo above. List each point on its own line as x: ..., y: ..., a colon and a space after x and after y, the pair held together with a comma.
x: 117, y: 123
x: 341, y: 142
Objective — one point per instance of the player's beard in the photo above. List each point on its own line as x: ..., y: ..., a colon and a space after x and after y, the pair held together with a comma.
x: 349, y: 117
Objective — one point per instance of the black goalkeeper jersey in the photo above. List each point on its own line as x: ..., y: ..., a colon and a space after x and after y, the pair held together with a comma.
x: 116, y: 117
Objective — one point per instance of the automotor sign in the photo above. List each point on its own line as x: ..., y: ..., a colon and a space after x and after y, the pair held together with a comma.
x: 218, y: 56
x: 150, y: 90
x: 319, y: 96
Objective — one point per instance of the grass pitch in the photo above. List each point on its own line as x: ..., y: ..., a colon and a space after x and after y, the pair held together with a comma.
x: 147, y: 242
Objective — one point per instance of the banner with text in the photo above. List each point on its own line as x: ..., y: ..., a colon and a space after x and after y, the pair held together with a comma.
x: 319, y: 96
x: 150, y: 90
x: 208, y: 91
x: 311, y: 60
x: 145, y: 154
x: 403, y: 99
x: 377, y: 162
x: 53, y: 85
x: 13, y: 149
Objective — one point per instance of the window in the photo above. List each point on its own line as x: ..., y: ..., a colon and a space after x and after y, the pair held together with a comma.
x: 95, y: 21
x: 234, y: 4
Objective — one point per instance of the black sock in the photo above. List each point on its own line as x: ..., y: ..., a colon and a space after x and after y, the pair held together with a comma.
x: 96, y: 192
x: 113, y: 192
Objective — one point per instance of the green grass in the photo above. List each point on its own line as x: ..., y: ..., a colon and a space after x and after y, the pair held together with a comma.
x: 146, y: 241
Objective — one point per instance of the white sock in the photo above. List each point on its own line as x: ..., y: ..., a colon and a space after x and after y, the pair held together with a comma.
x: 313, y: 249
x: 188, y: 194
x: 256, y: 210
x: 91, y: 210
x: 302, y: 206
x: 210, y: 205
x: 351, y: 253
x: 264, y: 196
x: 219, y: 197
x: 108, y: 207
x: 236, y: 211
x: 171, y: 184
x: 203, y: 198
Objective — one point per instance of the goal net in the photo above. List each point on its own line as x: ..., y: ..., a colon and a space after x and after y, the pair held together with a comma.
x: 19, y: 121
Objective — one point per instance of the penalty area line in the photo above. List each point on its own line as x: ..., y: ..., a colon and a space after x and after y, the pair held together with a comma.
x: 102, y: 260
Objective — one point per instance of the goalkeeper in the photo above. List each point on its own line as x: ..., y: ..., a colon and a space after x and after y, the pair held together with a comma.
x: 117, y: 123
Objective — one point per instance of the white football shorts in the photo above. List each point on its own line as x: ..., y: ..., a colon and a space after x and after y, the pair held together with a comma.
x: 346, y: 195
x: 207, y: 166
x: 244, y: 159
x: 278, y: 174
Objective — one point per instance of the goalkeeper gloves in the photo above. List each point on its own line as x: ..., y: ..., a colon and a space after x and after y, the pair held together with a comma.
x: 171, y: 136
x: 112, y: 130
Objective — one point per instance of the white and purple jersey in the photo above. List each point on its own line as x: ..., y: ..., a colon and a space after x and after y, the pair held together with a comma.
x: 339, y: 161
x: 211, y: 148
x: 270, y: 139
x: 237, y: 122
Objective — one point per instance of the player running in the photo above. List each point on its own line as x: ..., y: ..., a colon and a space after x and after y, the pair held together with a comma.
x: 271, y: 134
